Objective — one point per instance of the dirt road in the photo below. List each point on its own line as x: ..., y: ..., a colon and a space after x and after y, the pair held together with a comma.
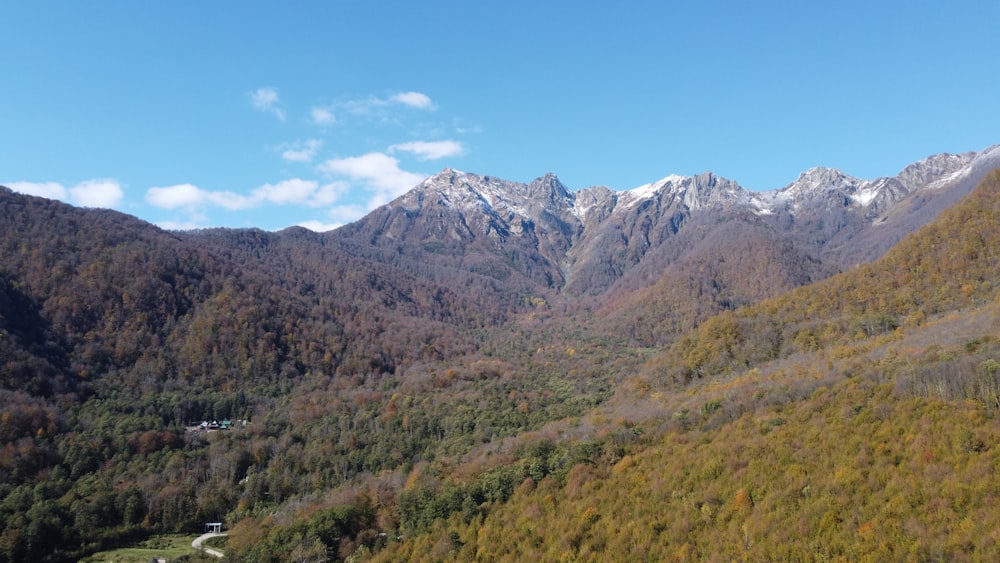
x: 214, y: 552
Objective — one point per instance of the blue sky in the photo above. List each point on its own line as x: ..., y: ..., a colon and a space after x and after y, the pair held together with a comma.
x: 254, y: 114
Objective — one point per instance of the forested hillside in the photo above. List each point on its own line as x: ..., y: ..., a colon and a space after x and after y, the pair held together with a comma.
x: 854, y: 419
x: 397, y: 393
x: 117, y: 337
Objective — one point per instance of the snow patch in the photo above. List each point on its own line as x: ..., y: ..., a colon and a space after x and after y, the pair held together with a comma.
x: 865, y: 196
x: 646, y: 191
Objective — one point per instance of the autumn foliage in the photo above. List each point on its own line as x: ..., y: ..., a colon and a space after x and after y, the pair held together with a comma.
x: 385, y: 408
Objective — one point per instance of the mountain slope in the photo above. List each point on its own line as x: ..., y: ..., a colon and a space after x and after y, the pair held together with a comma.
x: 851, y: 221
x: 854, y: 418
x: 117, y: 335
x: 726, y: 264
x: 950, y: 263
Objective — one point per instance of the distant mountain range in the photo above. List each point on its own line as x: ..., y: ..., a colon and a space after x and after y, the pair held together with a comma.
x: 654, y: 260
x: 705, y: 232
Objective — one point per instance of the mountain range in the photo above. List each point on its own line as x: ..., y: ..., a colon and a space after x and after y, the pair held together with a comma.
x: 403, y: 354
x: 727, y: 245
x: 459, y: 250
x: 585, y: 242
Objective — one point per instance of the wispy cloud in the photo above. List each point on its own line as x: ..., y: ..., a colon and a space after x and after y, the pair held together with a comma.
x: 322, y: 116
x: 417, y: 100
x: 352, y: 186
x: 301, y: 151
x: 267, y: 100
x: 373, y: 105
x: 104, y: 193
x: 430, y: 150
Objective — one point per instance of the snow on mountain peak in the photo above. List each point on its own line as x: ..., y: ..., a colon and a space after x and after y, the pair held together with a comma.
x: 953, y: 168
x: 822, y: 178
x: 693, y: 192
x: 816, y: 187
x: 646, y: 191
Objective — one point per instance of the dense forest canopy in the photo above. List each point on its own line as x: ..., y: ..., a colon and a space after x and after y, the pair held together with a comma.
x: 386, y: 401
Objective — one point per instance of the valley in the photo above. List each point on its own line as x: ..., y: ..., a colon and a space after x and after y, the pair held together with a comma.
x: 489, y: 370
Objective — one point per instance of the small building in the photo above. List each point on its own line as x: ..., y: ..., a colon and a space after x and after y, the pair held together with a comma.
x: 213, y: 527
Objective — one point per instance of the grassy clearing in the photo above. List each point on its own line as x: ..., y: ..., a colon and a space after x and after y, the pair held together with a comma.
x: 166, y: 546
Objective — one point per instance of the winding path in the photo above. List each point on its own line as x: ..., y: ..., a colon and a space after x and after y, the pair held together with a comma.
x: 214, y: 552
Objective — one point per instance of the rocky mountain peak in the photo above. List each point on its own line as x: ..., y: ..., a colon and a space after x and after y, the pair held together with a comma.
x: 699, y: 192
x: 818, y: 187
x: 588, y: 239
x: 469, y: 191
x: 821, y: 179
x: 934, y: 168
x: 550, y: 188
x: 944, y: 169
x: 708, y: 190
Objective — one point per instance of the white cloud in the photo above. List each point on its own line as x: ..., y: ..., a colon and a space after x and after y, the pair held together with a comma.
x: 97, y: 193
x: 229, y: 200
x: 339, y: 216
x: 319, y: 226
x: 430, y: 150
x: 50, y: 190
x: 378, y: 170
x: 378, y: 106
x: 299, y: 192
x: 414, y: 100
x: 172, y: 197
x: 286, y: 191
x: 301, y: 151
x: 322, y: 116
x: 381, y: 198
x: 327, y: 194
x: 267, y: 101
x: 295, y: 191
x: 105, y: 193
x: 181, y: 225
x: 347, y: 213
x: 188, y: 195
